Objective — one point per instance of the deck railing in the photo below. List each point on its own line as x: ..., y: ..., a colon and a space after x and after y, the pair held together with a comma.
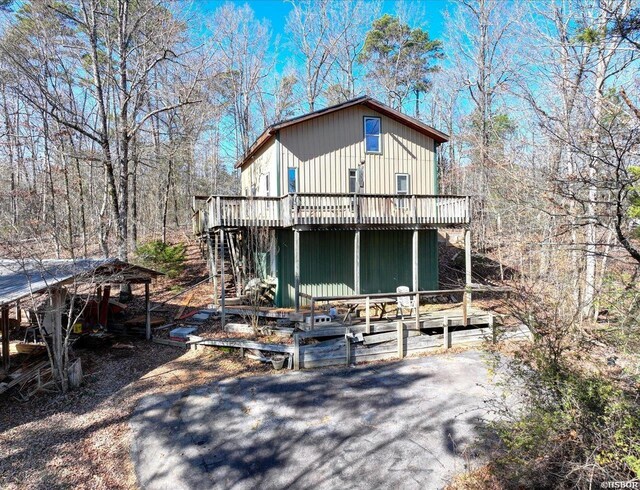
x: 331, y: 209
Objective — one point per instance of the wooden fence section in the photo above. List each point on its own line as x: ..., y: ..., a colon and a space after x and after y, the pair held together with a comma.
x: 331, y: 209
x: 346, y: 352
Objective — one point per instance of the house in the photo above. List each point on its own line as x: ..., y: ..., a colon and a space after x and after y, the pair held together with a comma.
x: 347, y: 197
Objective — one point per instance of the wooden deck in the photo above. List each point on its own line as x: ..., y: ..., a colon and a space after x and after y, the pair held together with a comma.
x: 322, y: 210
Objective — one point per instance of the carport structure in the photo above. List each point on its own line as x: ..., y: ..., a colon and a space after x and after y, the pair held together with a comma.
x: 21, y: 279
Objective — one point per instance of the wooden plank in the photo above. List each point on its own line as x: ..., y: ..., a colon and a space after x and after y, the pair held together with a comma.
x: 445, y: 332
x: 248, y: 344
x: 389, y: 336
x: 400, y: 340
x: 296, y: 351
x: 347, y: 343
x: 172, y: 343
x: 184, y: 306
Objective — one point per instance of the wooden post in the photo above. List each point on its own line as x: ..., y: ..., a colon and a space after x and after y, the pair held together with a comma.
x: 215, y: 266
x: 5, y: 338
x: 467, y: 263
x: 400, y: 340
x: 312, y: 320
x: 222, y: 286
x: 368, y: 317
x: 296, y: 351
x: 296, y: 268
x: 414, y: 264
x: 347, y: 346
x: 211, y: 261
x: 147, y: 305
x: 465, y: 314
x: 445, y: 331
x: 18, y: 312
x: 356, y: 262
x: 417, y: 300
x: 492, y: 325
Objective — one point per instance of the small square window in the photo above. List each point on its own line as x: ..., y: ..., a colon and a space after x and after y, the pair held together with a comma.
x: 372, y: 131
x: 402, y: 184
x: 402, y: 189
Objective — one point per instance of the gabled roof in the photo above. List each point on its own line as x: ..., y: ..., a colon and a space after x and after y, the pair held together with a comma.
x: 365, y: 100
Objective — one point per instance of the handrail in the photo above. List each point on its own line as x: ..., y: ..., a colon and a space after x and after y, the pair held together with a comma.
x: 335, y: 209
x: 416, y: 294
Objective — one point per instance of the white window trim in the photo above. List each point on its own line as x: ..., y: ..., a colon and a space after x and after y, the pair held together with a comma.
x: 364, y: 132
x: 408, y: 184
x: 295, y: 169
x: 353, y: 175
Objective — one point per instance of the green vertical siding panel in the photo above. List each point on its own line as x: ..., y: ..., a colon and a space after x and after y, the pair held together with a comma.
x: 284, y: 264
x: 428, y: 275
x: 326, y: 264
x: 385, y: 260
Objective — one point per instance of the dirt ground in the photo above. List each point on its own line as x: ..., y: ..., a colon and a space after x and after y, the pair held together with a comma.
x: 83, y: 440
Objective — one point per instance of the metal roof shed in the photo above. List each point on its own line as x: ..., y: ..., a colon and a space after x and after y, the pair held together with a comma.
x: 21, y: 279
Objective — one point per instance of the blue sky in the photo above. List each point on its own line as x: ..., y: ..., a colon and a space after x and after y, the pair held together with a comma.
x: 276, y: 12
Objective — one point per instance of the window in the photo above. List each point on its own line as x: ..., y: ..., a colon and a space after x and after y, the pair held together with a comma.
x: 402, y: 188
x: 402, y: 184
x: 372, y: 135
x: 353, y: 180
x: 293, y: 180
x: 267, y: 187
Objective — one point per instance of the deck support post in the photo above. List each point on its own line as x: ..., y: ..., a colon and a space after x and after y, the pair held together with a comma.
x: 296, y: 268
x: 368, y: 317
x: 147, y: 307
x: 414, y: 263
x: 356, y: 262
x: 467, y: 265
x: 222, y: 288
x: 215, y: 265
x: 400, y: 340
x: 4, y: 321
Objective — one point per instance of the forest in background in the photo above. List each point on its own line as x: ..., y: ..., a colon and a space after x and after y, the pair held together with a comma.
x: 114, y: 113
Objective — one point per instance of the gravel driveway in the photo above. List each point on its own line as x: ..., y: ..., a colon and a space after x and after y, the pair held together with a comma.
x: 406, y: 424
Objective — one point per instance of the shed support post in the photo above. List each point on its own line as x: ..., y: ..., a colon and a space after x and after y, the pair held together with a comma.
x: 296, y: 268
x: 356, y: 262
x: 414, y: 262
x: 400, y: 328
x: 222, y: 288
x: 147, y: 306
x: 5, y: 338
x: 18, y: 312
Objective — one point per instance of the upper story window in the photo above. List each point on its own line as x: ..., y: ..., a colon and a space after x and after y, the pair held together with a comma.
x: 353, y: 180
x: 402, y: 189
x: 402, y: 184
x: 292, y: 185
x: 372, y: 131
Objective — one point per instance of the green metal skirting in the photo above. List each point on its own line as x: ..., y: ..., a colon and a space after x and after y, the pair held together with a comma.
x: 327, y: 258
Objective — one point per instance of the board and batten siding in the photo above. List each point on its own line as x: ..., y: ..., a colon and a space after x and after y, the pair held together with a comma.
x: 323, y: 150
x: 327, y: 260
x: 253, y: 173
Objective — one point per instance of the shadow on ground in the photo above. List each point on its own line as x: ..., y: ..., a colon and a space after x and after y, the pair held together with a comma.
x: 410, y: 424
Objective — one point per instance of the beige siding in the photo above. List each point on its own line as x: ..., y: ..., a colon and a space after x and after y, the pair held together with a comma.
x: 325, y: 148
x: 255, y: 173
